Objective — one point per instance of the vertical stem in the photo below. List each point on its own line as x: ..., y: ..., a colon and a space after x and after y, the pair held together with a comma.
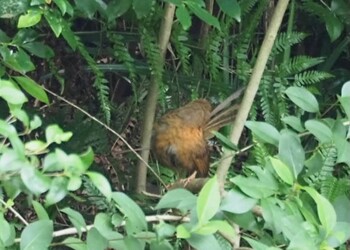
x: 151, y: 102
x: 252, y: 87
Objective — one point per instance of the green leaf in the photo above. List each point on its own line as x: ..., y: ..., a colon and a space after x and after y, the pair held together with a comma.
x: 69, y: 36
x: 10, y: 93
x: 55, y: 22
x: 303, y: 99
x: 101, y: 184
x: 225, y: 141
x: 325, y: 210
x: 76, y: 218
x: 142, y: 8
x: 35, y: 147
x: 339, y: 235
x: 236, y: 202
x: 291, y: 152
x: 30, y: 19
x: 17, y: 60
x: 7, y: 232
x: 213, y: 226
x: 294, y: 122
x: 334, y: 26
x: 259, y: 245
x: 321, y: 131
x: 203, y: 14
x: 40, y: 211
x: 208, y: 200
x: 35, y: 122
x: 264, y: 131
x: 75, y: 243
x: 34, y: 180
x: 39, y: 49
x: 230, y: 8
x: 95, y: 240
x: 104, y: 226
x: 253, y: 187
x: 182, y: 232
x: 117, y: 8
x: 87, y: 157
x: 183, y: 16
x: 282, y: 170
x: 199, y: 242
x: 12, y: 8
x: 37, y: 235
x: 64, y: 6
x: 135, y: 218
x: 58, y: 190
x: 54, y: 133
x: 21, y: 115
x: 181, y: 199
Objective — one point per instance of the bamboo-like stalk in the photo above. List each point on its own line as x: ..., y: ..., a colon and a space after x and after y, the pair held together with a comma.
x: 151, y: 102
x: 252, y: 88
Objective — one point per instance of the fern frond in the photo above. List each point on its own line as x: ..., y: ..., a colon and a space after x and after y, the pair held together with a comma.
x: 286, y: 40
x: 212, y: 57
x: 100, y: 82
x: 332, y: 187
x: 310, y: 77
x: 247, y: 6
x: 121, y: 53
x: 178, y: 39
x: 298, y: 64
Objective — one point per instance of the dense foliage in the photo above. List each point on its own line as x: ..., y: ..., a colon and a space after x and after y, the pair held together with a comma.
x: 74, y: 76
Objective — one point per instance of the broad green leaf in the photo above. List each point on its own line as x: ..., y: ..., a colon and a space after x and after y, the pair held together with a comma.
x: 142, y: 8
x: 89, y: 7
x: 10, y: 161
x: 253, y: 187
x: 334, y: 26
x: 282, y: 170
x: 39, y: 49
x: 34, y: 180
x: 104, y: 226
x: 30, y: 19
x: 17, y: 60
x: 257, y: 245
x: 116, y: 9
x: 339, y: 235
x: 230, y: 8
x: 58, y: 190
x: 7, y: 232
x: 291, y: 152
x: 345, y: 103
x: 10, y: 93
x: 236, y: 202
x: 135, y: 218
x: 321, y: 131
x: 21, y: 115
x: 64, y: 6
x: 182, y: 232
x: 208, y: 201
x: 213, y: 226
x: 164, y: 230
x: 95, y: 240
x: 87, y: 157
x: 40, y: 211
x: 69, y: 36
x: 203, y: 14
x: 55, y: 22
x: 37, y: 235
x: 184, y: 17
x: 181, y: 199
x: 272, y: 215
x: 35, y: 122
x: 303, y: 99
x: 294, y: 122
x: 35, y: 147
x: 54, y: 133
x: 75, y: 243
x: 199, y: 242
x: 101, y: 183
x: 76, y: 218
x: 325, y: 210
x: 264, y: 131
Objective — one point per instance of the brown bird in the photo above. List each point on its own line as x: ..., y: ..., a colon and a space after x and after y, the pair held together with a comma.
x: 180, y: 136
